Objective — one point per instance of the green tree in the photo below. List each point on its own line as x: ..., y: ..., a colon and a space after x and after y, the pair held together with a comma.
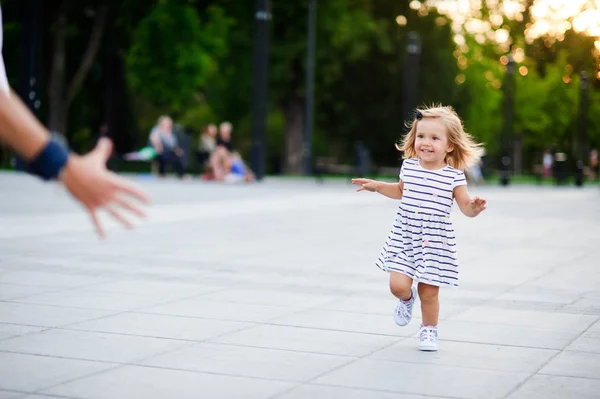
x: 593, y: 127
x: 346, y: 31
x: 172, y: 56
x: 363, y: 100
x: 479, y: 99
x: 62, y: 92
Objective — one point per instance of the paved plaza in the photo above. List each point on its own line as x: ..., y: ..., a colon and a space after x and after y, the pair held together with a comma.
x: 269, y: 290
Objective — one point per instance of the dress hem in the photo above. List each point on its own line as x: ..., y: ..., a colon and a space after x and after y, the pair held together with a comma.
x: 418, y: 280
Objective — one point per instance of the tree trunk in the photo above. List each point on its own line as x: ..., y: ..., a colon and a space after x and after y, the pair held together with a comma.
x: 60, y: 101
x: 58, y: 115
x: 293, y: 134
x: 90, y: 53
x: 518, y: 156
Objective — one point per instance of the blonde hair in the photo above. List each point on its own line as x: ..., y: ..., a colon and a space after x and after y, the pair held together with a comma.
x: 466, y: 151
x: 226, y: 125
x: 163, y: 118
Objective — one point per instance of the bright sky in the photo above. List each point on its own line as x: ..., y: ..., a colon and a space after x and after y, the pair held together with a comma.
x: 550, y: 17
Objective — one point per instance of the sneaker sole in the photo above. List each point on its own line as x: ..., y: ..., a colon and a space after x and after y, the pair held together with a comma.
x: 428, y: 348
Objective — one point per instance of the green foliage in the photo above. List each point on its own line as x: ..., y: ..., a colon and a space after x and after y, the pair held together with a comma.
x: 82, y: 140
x: 173, y: 53
x: 593, y: 127
x: 529, y: 100
x: 196, y: 116
x: 363, y: 99
x: 546, y: 107
x: 193, y: 60
x: 560, y: 105
x: 275, y: 133
x: 345, y: 33
x: 481, y: 98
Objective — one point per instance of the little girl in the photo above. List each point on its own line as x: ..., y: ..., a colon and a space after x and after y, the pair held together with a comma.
x: 421, y: 246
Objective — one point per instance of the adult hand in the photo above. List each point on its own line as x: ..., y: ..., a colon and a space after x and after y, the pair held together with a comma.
x: 91, y: 183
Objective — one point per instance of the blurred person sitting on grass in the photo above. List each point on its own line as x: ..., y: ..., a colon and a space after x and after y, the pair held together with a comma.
x: 224, y: 139
x: 225, y: 163
x: 228, y: 167
x: 164, y: 142
x: 207, y: 144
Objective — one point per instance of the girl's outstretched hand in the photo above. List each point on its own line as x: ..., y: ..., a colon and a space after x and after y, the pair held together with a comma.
x: 366, y: 184
x: 478, y: 205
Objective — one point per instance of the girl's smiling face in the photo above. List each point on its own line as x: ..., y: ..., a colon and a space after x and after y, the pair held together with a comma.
x: 431, y: 142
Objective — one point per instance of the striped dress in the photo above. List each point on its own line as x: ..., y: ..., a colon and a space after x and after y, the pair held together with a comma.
x: 422, y: 244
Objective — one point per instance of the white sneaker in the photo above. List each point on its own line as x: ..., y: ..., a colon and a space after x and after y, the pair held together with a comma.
x: 403, y: 311
x: 428, y: 337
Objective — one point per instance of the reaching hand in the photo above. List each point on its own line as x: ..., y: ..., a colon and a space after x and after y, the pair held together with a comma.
x: 88, y: 180
x: 478, y: 205
x: 366, y: 184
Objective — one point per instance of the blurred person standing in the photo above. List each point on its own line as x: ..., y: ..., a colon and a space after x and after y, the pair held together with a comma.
x: 547, y: 161
x: 594, y: 164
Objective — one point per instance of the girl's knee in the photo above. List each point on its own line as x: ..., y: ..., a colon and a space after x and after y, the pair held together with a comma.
x: 428, y: 293
x: 400, y: 285
x: 400, y: 290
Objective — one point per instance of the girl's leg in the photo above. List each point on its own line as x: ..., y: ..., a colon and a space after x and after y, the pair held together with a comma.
x: 430, y: 304
x: 400, y: 286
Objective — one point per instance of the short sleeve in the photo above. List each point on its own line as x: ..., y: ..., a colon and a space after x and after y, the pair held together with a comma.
x: 402, y: 172
x: 459, y: 180
x: 3, y: 80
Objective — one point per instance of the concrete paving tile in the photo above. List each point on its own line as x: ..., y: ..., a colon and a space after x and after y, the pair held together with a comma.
x: 327, y: 392
x: 221, y: 310
x: 162, y: 326
x: 90, y: 345
x: 46, y: 316
x: 309, y: 340
x: 498, y: 334
x: 574, y: 364
x: 526, y: 318
x: 345, y: 321
x: 424, y: 379
x: 470, y: 355
x: 249, y: 362
x: 556, y: 387
x: 29, y: 373
x: 135, y: 382
x: 14, y: 330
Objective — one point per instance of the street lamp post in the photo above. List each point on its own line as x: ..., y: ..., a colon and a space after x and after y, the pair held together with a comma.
x: 310, y: 86
x: 29, y: 64
x: 260, y: 85
x: 411, y: 74
x: 410, y: 84
x: 508, y: 120
x: 30, y: 56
